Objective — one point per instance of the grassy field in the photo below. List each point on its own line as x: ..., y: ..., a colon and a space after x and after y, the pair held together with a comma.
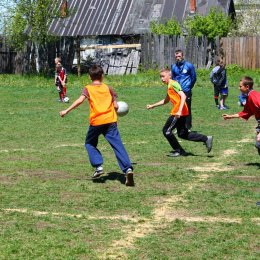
x: 202, y: 206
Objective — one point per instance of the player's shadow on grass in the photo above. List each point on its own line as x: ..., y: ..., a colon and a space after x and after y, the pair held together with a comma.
x: 111, y: 176
x: 254, y: 164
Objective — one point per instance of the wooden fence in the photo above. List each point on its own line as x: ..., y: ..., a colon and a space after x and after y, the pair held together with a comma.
x: 7, y: 58
x: 158, y: 50
x: 243, y: 51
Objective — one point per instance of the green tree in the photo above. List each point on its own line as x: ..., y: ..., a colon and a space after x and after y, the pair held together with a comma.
x: 29, y: 21
x: 216, y: 23
x: 27, y: 32
x: 247, y: 18
x: 170, y: 27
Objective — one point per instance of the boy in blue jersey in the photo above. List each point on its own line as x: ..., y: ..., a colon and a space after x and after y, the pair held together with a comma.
x: 184, y: 73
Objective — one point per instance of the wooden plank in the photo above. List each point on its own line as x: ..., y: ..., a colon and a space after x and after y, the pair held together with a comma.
x: 117, y: 64
x: 166, y: 51
x: 136, y: 61
x: 247, y: 54
x: 111, y: 65
x: 156, y: 54
x: 147, y: 47
x: 254, y: 52
x: 162, y: 60
x: 171, y: 51
x: 257, y: 52
x: 205, y: 52
x: 241, y: 54
x: 123, y: 65
x: 150, y: 49
x: 229, y: 50
x: 130, y: 63
x: 237, y: 49
x: 114, y: 46
x: 195, y: 51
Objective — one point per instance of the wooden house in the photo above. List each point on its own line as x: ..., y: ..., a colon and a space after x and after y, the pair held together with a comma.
x: 114, y: 23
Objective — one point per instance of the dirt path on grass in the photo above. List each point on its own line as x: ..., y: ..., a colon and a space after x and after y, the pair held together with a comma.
x: 163, y: 214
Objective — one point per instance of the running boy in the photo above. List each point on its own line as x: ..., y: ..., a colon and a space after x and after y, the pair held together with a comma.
x: 103, y: 120
x: 177, y: 117
x: 251, y: 107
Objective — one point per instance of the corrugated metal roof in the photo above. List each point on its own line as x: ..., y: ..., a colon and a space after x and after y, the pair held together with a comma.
x: 119, y: 17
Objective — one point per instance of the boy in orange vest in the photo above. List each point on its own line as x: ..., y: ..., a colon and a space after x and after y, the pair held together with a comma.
x: 177, y: 117
x: 103, y: 120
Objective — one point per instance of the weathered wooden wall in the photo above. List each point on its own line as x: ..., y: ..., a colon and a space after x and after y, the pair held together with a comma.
x: 243, y: 51
x: 158, y: 50
x: 117, y: 59
x: 7, y: 58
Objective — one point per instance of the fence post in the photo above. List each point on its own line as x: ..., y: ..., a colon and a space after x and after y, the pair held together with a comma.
x: 78, y: 54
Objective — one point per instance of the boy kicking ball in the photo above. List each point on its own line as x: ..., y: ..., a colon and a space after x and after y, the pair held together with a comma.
x: 177, y: 117
x: 103, y: 120
x: 251, y: 107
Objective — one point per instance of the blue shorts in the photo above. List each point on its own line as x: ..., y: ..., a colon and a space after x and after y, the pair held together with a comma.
x: 224, y: 91
x: 220, y: 90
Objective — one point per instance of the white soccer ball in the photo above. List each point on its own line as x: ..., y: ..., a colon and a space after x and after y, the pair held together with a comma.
x: 66, y: 99
x: 123, y: 108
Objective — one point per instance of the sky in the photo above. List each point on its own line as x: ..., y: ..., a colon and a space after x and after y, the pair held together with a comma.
x: 3, y: 12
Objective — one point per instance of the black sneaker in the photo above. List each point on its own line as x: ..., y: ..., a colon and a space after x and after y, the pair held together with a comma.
x: 129, y: 178
x: 98, y: 172
x: 177, y: 153
x: 208, y: 143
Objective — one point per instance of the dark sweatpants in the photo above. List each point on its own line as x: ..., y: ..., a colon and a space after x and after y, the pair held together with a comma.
x: 183, y: 132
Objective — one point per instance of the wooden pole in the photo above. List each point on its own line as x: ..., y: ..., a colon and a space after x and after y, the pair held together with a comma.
x: 78, y: 55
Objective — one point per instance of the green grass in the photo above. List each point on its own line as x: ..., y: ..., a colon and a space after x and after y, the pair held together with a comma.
x: 198, y: 207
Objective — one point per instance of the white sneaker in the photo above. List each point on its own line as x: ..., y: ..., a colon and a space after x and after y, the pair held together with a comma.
x: 98, y: 172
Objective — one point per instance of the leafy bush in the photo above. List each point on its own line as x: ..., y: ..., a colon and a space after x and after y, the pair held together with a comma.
x: 170, y: 27
x: 216, y: 23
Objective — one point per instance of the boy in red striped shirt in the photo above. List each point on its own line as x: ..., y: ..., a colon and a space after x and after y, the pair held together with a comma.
x: 251, y: 107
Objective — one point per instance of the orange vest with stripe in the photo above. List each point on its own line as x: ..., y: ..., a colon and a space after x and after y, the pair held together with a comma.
x: 102, y: 110
x: 173, y: 88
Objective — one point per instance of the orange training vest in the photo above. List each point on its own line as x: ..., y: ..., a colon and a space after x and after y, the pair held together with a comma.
x: 173, y: 88
x: 102, y: 110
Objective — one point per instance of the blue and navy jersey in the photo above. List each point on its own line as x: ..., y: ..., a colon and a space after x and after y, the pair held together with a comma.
x: 184, y: 72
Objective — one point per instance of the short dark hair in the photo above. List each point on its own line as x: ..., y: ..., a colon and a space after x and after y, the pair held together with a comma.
x: 247, y: 81
x: 220, y: 63
x: 179, y: 51
x: 96, y: 72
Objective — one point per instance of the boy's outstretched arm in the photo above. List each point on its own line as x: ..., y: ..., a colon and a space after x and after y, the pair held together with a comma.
x: 226, y: 116
x: 75, y: 104
x: 159, y: 103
